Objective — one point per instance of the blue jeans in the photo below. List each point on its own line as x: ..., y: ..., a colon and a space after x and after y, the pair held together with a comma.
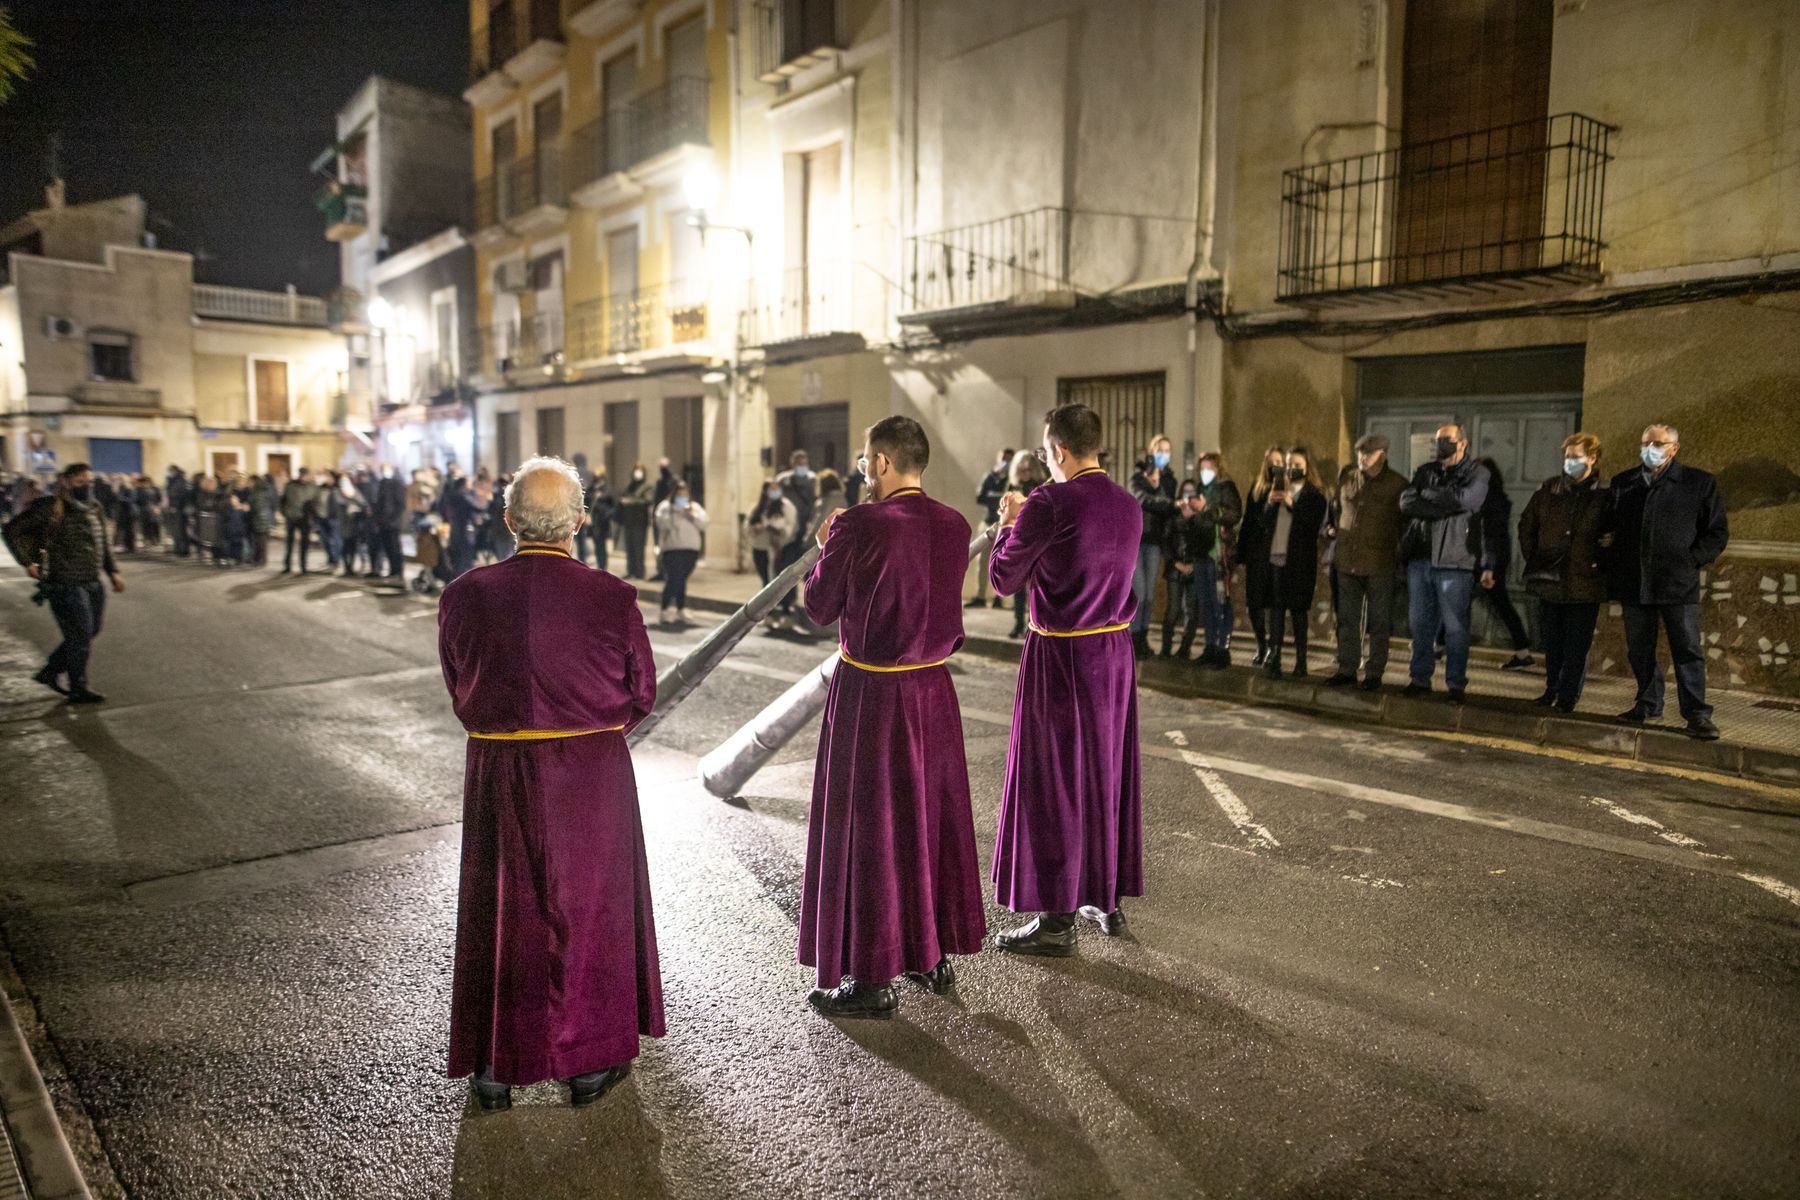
x: 1143, y: 586
x: 1436, y: 598
x: 1215, y: 609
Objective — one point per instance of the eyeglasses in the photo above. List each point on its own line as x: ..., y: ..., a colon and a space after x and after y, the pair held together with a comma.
x: 1662, y: 444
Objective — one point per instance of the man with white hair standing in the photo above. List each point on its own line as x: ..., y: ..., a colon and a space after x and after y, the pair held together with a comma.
x: 1667, y: 523
x: 548, y: 667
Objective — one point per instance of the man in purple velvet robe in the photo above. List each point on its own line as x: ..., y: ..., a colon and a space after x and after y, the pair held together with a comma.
x: 548, y: 667
x: 892, y: 882
x: 1071, y: 808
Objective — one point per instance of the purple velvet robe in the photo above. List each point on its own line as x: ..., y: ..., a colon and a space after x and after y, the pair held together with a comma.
x: 556, y: 971
x: 892, y: 880
x: 1071, y: 808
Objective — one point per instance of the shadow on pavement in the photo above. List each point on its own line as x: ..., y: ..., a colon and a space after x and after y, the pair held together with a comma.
x: 544, y: 1148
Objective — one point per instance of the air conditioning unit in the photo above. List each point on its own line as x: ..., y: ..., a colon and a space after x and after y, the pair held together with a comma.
x: 512, y: 276
x: 61, y: 328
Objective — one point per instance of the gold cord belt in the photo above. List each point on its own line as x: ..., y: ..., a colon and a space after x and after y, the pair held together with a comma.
x: 1069, y: 633
x: 541, y: 735
x: 862, y: 666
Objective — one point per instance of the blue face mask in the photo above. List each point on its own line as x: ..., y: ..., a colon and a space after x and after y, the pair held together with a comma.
x: 682, y: 502
x: 1654, y: 456
x: 1575, y: 468
x: 1161, y: 459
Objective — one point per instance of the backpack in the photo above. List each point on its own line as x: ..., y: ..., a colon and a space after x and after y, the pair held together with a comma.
x: 28, y: 535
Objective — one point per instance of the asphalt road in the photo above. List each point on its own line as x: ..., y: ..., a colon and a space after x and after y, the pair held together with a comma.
x: 1369, y: 964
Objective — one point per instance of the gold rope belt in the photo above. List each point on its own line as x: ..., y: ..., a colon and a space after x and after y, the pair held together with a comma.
x: 541, y: 735
x: 862, y: 666
x: 1068, y: 633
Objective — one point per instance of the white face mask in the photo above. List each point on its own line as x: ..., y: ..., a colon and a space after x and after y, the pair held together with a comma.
x: 1207, y: 475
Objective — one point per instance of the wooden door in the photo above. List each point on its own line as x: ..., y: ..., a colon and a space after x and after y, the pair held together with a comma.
x: 1475, y: 96
x: 279, y: 463
x: 272, y: 400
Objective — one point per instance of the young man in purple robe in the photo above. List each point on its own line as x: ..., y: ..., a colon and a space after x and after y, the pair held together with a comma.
x: 1071, y: 809
x: 892, y: 883
x: 549, y: 667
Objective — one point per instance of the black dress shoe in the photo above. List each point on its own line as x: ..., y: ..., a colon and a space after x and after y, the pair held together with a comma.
x: 1272, y: 668
x: 1415, y: 690
x: 490, y: 1096
x: 1545, y: 700
x: 1112, y: 924
x: 1371, y: 684
x: 586, y: 1089
x: 1340, y: 680
x: 1221, y: 659
x: 999, y: 603
x: 1702, y: 729
x: 853, y: 1000
x: 83, y: 696
x: 1262, y: 656
x: 48, y: 678
x: 1049, y: 935
x: 1637, y: 714
x: 978, y: 602
x: 1565, y: 706
x: 939, y: 980
x: 1455, y: 696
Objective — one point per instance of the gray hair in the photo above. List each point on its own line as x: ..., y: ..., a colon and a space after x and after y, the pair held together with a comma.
x: 1674, y: 433
x: 541, y: 511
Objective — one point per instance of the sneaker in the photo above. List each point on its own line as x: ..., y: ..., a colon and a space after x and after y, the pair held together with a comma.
x: 1518, y: 662
x: 666, y: 617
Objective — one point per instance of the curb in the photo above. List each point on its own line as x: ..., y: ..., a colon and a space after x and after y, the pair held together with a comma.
x: 1481, y: 716
x: 37, y: 1136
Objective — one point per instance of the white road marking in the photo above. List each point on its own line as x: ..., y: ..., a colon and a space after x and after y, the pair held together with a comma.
x: 1790, y: 894
x: 1662, y: 831
x: 1236, y: 811
x: 1372, y: 881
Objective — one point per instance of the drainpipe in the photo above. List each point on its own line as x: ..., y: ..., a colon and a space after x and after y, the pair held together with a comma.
x: 1205, y: 210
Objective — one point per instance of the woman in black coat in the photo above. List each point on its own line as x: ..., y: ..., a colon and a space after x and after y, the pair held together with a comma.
x: 1253, y: 546
x: 1559, y: 538
x: 1282, y: 565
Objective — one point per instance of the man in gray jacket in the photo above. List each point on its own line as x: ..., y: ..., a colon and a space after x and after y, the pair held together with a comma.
x: 1442, y: 546
x: 299, y: 505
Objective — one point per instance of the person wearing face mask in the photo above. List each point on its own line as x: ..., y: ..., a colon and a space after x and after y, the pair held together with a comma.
x: 681, y: 526
x: 800, y: 485
x: 634, y: 520
x: 1443, y: 553
x: 1185, y: 549
x: 1253, y: 536
x: 1153, y: 484
x: 772, y: 524
x: 1070, y: 838
x: 1220, y: 508
x: 987, y: 498
x: 1365, y: 526
x: 892, y: 883
x: 1668, y: 521
x: 1288, y: 558
x: 61, y: 541
x: 1560, y: 533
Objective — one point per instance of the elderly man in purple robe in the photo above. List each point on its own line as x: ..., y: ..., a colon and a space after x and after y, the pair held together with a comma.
x: 892, y: 883
x: 548, y: 667
x: 1071, y: 809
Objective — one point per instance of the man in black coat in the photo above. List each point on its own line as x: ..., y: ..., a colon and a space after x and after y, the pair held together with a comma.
x: 987, y: 499
x: 1667, y: 523
x: 387, y: 517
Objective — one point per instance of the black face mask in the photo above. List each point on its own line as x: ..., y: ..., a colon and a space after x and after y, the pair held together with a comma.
x: 1446, y: 449
x: 1275, y: 472
x: 82, y: 493
x: 1296, y: 473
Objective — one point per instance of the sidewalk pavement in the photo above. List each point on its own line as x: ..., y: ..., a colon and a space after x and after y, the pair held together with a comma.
x: 1761, y: 733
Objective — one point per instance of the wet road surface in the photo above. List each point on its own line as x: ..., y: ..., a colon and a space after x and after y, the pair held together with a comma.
x: 1370, y: 964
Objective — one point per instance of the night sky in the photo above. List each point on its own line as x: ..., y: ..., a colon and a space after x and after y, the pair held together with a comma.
x: 212, y: 110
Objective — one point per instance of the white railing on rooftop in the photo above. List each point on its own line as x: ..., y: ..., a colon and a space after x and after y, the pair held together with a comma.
x: 248, y: 304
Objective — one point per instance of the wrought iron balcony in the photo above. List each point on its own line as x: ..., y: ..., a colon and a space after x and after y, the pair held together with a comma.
x: 657, y: 121
x: 513, y: 26
x: 1496, y: 209
x: 653, y: 318
x: 792, y: 35
x: 994, y: 262
x: 533, y: 181
x: 811, y: 303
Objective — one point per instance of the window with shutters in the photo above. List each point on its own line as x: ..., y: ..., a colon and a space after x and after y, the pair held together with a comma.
x: 270, y: 401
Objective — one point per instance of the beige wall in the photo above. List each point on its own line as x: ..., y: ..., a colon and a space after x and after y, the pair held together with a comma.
x: 222, y: 352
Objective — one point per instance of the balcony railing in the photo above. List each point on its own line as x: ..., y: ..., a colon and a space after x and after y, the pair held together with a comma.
x: 655, y: 122
x: 115, y: 394
x: 246, y: 304
x: 1509, y: 203
x: 648, y: 319
x: 518, y: 187
x: 812, y: 303
x: 512, y: 26
x: 992, y: 262
x: 792, y: 35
